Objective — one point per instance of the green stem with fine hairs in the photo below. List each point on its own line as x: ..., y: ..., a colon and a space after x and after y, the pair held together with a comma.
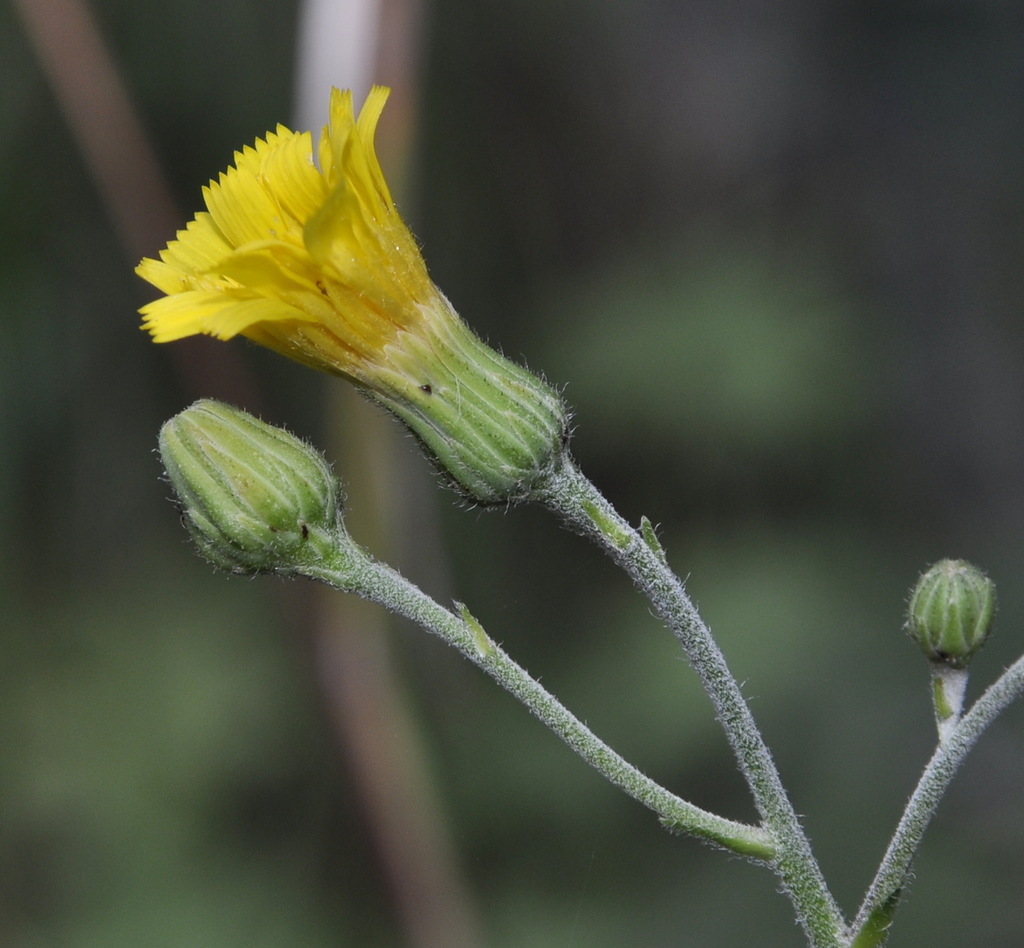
x: 870, y: 928
x: 583, y: 509
x: 351, y: 569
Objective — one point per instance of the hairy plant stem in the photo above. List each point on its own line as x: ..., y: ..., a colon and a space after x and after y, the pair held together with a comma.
x: 352, y: 569
x: 870, y: 928
x: 582, y: 507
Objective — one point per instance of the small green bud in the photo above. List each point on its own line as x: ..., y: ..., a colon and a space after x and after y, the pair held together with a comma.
x: 951, y: 611
x: 254, y: 498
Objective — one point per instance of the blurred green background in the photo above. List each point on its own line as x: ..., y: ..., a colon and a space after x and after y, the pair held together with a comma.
x: 774, y: 255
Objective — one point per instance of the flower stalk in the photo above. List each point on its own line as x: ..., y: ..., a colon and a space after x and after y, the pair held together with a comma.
x: 381, y: 584
x: 583, y: 509
x: 870, y: 927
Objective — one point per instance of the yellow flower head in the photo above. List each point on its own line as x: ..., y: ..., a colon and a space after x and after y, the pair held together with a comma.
x: 313, y: 262
x: 316, y: 263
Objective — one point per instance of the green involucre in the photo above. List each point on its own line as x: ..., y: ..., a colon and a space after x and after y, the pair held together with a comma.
x: 254, y: 498
x: 951, y: 611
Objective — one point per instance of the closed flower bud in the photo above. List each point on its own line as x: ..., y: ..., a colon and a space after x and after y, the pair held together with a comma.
x: 254, y: 498
x: 951, y: 611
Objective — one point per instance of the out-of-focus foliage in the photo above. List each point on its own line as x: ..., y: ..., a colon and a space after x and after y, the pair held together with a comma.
x: 775, y: 257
